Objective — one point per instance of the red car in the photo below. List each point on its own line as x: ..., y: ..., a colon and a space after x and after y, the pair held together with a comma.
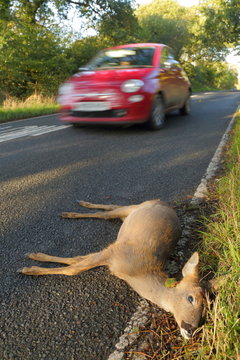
x: 126, y: 84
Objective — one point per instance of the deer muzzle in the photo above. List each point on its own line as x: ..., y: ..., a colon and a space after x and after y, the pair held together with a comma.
x: 187, y: 330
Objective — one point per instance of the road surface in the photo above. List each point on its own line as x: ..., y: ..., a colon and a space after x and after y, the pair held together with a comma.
x: 45, y: 167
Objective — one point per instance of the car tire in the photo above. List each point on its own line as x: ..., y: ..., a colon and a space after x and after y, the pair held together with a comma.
x: 157, y: 117
x: 186, y: 109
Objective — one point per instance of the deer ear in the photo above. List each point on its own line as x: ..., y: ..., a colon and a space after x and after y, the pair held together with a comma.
x: 191, y: 266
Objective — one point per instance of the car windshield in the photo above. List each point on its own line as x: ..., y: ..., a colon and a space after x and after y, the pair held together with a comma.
x: 123, y: 58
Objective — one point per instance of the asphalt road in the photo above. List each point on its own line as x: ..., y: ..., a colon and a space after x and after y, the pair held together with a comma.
x: 43, y: 171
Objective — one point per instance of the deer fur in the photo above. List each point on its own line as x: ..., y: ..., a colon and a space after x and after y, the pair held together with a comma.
x: 138, y: 256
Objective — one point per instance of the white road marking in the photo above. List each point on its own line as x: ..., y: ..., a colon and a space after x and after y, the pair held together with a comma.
x: 54, y: 128
x: 5, y: 127
x: 10, y: 133
x: 139, y: 318
x: 201, y: 191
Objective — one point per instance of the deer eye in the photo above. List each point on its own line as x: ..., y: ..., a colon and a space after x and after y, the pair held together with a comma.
x: 190, y: 299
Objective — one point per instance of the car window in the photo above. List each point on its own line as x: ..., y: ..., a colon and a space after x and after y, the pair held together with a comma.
x: 164, y: 57
x: 167, y: 59
x: 123, y: 58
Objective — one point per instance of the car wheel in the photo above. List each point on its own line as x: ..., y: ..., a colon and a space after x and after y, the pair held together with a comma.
x: 157, y: 117
x: 186, y: 109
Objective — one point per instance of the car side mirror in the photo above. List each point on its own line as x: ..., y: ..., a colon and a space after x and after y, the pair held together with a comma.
x: 167, y: 65
x: 171, y: 64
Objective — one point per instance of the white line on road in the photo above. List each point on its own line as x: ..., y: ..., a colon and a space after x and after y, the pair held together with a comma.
x: 5, y: 127
x: 10, y: 133
x: 55, y: 128
x: 201, y: 190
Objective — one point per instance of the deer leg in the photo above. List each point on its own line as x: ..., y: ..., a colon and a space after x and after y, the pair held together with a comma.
x: 90, y: 261
x: 57, y: 259
x: 121, y: 212
x: 98, y: 206
x: 99, y: 215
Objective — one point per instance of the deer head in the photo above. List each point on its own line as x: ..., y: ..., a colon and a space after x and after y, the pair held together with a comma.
x: 188, y: 300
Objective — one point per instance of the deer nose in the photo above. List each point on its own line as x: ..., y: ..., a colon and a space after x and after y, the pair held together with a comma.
x: 188, y: 328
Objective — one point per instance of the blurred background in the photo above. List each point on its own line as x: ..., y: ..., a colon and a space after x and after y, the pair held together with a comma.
x: 43, y: 42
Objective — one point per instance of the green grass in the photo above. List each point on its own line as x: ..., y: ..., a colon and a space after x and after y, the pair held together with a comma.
x: 36, y: 105
x: 221, y: 254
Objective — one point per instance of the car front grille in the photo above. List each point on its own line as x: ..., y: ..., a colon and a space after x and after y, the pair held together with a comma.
x: 114, y: 113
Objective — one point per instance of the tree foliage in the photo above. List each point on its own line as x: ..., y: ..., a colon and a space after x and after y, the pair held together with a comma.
x: 222, y: 21
x: 32, y: 60
x: 35, y: 56
x: 81, y: 51
x: 164, y: 21
x: 211, y: 75
x: 199, y: 35
x: 120, y: 25
x: 35, y: 11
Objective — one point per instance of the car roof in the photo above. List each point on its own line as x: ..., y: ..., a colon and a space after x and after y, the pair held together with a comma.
x: 138, y: 45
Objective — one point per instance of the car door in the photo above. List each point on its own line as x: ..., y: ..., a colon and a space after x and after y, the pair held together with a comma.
x: 183, y: 85
x: 167, y: 81
x: 179, y: 83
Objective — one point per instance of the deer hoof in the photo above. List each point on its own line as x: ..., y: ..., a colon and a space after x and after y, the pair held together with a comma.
x: 65, y: 215
x: 84, y: 203
x: 36, y: 256
x: 29, y: 255
x: 34, y: 270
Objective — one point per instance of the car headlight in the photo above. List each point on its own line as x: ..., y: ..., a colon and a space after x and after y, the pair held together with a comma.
x: 65, y: 89
x: 131, y: 86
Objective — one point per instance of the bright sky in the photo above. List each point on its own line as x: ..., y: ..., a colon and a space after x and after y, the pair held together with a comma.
x: 181, y: 2
x: 188, y: 2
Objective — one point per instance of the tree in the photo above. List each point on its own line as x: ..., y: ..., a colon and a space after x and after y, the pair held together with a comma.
x: 168, y: 8
x: 222, y: 22
x: 32, y: 59
x: 35, y: 56
x: 156, y: 28
x: 119, y: 25
x: 35, y: 11
x: 211, y: 75
x: 81, y: 51
x: 164, y: 21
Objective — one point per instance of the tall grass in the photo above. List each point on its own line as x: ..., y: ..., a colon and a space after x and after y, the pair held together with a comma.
x: 35, y: 105
x: 221, y: 253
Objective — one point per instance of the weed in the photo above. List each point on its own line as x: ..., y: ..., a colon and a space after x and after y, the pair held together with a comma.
x: 35, y: 105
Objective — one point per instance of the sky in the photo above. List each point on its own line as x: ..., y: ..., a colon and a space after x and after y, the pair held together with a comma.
x: 181, y: 2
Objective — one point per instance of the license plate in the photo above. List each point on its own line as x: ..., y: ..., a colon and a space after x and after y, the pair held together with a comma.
x: 92, y: 106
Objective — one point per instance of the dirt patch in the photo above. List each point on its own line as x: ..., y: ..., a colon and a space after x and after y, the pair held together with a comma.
x: 160, y: 339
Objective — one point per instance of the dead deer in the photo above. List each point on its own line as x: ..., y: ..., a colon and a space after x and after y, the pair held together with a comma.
x: 138, y: 256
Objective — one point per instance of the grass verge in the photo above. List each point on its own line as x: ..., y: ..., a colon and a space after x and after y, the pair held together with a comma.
x: 220, y: 251
x: 36, y: 105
